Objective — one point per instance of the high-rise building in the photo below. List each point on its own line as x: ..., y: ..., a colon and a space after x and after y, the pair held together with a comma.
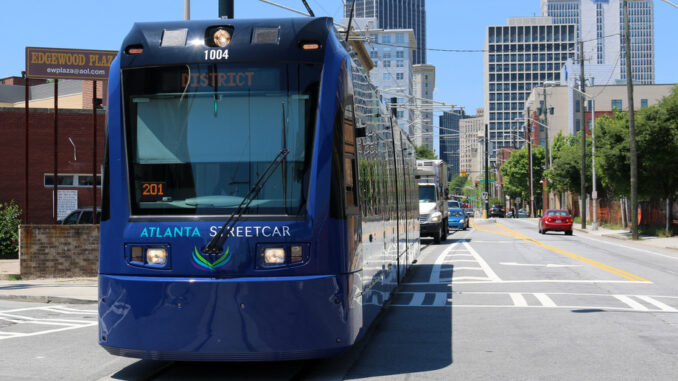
x: 449, y: 140
x: 423, y: 84
x: 393, y: 14
x: 469, y: 142
x: 599, y: 23
x: 392, y: 72
x: 519, y: 56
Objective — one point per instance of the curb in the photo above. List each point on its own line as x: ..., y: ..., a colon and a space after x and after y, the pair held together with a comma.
x: 46, y: 299
x: 12, y: 276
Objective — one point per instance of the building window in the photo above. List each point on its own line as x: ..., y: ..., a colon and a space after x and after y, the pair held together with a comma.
x: 400, y: 76
x: 577, y: 125
x: 387, y: 63
x: 399, y: 63
x: 401, y: 114
x: 400, y: 37
x: 70, y: 180
x: 386, y: 38
x: 643, y: 103
x: 387, y: 76
x: 400, y: 53
x: 617, y: 103
x: 577, y: 106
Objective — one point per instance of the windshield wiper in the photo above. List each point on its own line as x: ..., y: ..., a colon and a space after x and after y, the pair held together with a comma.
x: 216, y: 244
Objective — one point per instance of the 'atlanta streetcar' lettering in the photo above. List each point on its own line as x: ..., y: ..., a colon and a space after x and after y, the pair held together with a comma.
x: 232, y: 79
x: 238, y: 231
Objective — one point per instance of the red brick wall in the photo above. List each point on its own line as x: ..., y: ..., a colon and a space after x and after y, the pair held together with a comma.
x: 76, y: 124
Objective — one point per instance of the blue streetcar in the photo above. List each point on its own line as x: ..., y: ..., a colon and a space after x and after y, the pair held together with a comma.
x: 259, y: 201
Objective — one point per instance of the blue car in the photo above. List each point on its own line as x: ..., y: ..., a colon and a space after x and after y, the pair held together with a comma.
x: 457, y: 219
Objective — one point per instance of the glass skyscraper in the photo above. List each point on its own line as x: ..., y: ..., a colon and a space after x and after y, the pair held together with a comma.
x: 395, y: 14
x: 449, y: 140
x: 599, y: 23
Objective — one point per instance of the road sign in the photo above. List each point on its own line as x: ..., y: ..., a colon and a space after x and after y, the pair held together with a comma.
x: 485, y: 196
x: 517, y: 200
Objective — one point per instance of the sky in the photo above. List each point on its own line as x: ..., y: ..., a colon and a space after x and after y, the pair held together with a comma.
x: 451, y: 24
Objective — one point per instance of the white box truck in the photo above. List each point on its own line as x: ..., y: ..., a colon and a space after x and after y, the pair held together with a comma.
x: 432, y: 180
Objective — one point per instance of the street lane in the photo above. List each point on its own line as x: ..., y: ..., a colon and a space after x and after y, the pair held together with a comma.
x: 528, y: 306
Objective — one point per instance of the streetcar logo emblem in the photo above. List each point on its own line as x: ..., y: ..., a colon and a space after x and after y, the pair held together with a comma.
x: 205, y: 264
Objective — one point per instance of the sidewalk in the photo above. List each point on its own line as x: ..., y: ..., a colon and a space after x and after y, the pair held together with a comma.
x: 656, y: 242
x: 73, y: 290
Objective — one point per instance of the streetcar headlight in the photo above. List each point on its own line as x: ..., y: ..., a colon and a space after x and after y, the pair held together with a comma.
x: 156, y: 256
x: 435, y: 217
x: 222, y: 38
x: 274, y: 256
x: 296, y: 254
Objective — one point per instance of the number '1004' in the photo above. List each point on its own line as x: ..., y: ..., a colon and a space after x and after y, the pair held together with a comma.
x: 216, y: 54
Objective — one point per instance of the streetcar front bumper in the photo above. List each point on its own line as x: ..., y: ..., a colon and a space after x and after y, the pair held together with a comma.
x: 228, y: 319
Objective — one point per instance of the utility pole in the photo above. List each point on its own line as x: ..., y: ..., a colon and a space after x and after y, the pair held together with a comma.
x: 582, y: 87
x: 487, y: 171
x: 632, y: 126
x: 548, y: 165
x: 187, y: 9
x: 529, y: 158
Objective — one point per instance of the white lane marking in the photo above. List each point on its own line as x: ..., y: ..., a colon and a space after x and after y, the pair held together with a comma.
x: 544, y: 300
x: 543, y: 281
x: 602, y: 308
x: 536, y: 264
x: 435, y: 272
x: 456, y: 279
x: 461, y: 255
x: 657, y: 303
x: 440, y: 299
x: 490, y: 274
x: 518, y: 299
x: 464, y: 261
x: 417, y: 298
x: 12, y: 316
x: 631, y: 303
x: 467, y: 268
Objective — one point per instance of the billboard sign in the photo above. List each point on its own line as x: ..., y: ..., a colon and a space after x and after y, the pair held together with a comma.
x: 55, y: 63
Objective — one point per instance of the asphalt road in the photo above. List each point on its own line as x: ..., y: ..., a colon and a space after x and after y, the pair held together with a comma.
x: 498, y: 301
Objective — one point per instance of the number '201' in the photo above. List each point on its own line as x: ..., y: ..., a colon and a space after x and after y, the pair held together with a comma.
x: 152, y: 189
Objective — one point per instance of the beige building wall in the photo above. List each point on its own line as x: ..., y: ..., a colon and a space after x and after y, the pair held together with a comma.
x: 468, y: 143
x: 68, y: 101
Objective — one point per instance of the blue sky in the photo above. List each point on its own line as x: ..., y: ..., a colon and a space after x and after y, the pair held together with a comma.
x: 451, y: 24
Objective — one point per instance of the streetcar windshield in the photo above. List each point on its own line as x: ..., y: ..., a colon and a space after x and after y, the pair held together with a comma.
x: 199, y: 136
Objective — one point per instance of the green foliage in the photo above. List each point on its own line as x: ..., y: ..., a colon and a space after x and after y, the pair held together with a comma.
x: 565, y: 176
x: 9, y: 229
x: 516, y: 173
x: 457, y: 184
x: 494, y: 201
x: 423, y: 152
x: 657, y: 144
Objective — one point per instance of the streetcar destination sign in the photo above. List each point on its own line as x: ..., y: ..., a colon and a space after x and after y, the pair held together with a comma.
x: 68, y: 63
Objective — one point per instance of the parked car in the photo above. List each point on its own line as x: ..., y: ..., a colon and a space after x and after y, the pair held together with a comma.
x: 523, y: 214
x: 80, y: 216
x: 554, y: 219
x: 497, y: 210
x: 457, y: 219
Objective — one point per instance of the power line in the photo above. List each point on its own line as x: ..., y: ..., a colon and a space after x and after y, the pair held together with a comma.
x: 670, y: 3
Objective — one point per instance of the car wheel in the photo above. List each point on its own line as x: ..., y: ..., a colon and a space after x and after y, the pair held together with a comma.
x: 436, y: 237
x: 568, y: 232
x: 443, y: 231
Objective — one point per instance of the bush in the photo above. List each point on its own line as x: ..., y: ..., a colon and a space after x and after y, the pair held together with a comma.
x: 9, y: 230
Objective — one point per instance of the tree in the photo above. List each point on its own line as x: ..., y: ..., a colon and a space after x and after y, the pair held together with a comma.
x: 423, y: 152
x: 457, y: 184
x: 516, y: 173
x: 657, y: 142
x: 9, y: 229
x: 565, y: 176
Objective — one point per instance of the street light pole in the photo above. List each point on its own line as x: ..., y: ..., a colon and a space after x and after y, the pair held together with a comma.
x: 594, y: 193
x: 529, y: 158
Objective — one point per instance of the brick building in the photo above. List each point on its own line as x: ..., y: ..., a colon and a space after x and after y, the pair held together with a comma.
x: 74, y: 147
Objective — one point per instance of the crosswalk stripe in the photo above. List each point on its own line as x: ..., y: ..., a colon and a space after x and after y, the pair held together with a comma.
x: 544, y: 300
x: 657, y: 303
x: 631, y: 303
x: 518, y: 299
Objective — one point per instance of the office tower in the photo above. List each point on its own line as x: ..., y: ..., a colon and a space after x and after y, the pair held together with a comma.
x: 392, y: 72
x: 599, y: 23
x: 423, y: 84
x: 519, y: 56
x: 469, y: 143
x: 394, y: 14
x: 449, y: 140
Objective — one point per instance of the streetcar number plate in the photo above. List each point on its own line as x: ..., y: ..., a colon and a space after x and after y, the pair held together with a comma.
x: 216, y: 54
x: 559, y: 220
x: 152, y: 191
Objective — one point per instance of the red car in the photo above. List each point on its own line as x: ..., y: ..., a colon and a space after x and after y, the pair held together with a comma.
x: 554, y: 219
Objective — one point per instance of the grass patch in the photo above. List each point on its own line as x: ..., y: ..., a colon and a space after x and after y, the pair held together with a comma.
x: 613, y: 226
x: 656, y: 231
x: 13, y: 277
